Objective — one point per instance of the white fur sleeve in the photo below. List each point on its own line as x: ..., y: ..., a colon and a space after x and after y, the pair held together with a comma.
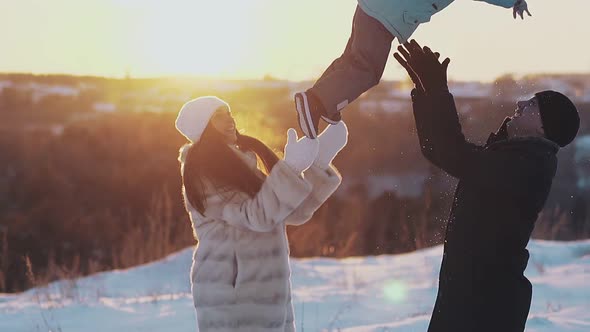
x: 281, y: 193
x: 324, y: 183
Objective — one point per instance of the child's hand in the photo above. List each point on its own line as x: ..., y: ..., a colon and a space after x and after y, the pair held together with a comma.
x: 520, y: 6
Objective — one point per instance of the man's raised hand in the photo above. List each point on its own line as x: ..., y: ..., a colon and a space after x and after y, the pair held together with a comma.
x: 408, y: 68
x: 423, y: 66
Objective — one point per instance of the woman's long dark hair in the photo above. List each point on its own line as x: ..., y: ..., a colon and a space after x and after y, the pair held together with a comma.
x: 212, y: 160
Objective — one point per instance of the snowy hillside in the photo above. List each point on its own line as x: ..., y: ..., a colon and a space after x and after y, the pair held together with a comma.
x: 385, y: 293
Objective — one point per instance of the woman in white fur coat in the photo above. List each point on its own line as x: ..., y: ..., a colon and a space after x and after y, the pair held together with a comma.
x: 240, y: 278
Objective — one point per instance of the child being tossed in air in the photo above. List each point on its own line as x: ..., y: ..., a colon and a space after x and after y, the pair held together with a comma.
x: 375, y: 24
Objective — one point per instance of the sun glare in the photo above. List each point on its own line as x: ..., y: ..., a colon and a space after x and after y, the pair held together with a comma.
x: 181, y: 37
x: 249, y: 39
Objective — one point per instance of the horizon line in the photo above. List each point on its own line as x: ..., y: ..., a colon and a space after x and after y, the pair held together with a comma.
x: 268, y: 77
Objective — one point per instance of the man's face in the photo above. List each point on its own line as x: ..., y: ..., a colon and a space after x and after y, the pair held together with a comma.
x: 526, y: 121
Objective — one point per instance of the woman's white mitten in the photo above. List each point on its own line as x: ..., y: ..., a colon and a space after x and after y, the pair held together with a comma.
x: 300, y: 153
x: 332, y: 140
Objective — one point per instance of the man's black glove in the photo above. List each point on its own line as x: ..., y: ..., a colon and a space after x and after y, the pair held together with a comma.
x: 426, y: 71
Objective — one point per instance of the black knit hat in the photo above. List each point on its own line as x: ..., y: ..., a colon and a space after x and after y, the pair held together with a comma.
x: 559, y: 116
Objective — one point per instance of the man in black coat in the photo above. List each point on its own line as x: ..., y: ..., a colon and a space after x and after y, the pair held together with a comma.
x: 502, y: 188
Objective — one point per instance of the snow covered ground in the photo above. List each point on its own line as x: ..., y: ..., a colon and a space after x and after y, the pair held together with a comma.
x: 385, y: 293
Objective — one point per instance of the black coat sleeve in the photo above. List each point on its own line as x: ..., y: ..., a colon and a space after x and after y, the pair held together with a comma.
x: 443, y: 143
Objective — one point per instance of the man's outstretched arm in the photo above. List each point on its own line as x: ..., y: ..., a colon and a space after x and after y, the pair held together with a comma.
x: 441, y: 138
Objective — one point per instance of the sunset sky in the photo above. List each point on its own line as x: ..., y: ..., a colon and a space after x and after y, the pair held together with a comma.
x: 293, y: 40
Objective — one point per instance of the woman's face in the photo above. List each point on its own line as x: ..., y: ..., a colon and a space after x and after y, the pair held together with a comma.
x: 224, y: 123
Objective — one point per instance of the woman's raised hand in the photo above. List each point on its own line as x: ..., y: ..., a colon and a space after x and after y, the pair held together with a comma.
x: 300, y: 153
x: 332, y: 140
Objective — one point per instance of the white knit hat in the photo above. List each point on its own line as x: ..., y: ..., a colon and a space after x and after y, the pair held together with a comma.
x: 195, y: 115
